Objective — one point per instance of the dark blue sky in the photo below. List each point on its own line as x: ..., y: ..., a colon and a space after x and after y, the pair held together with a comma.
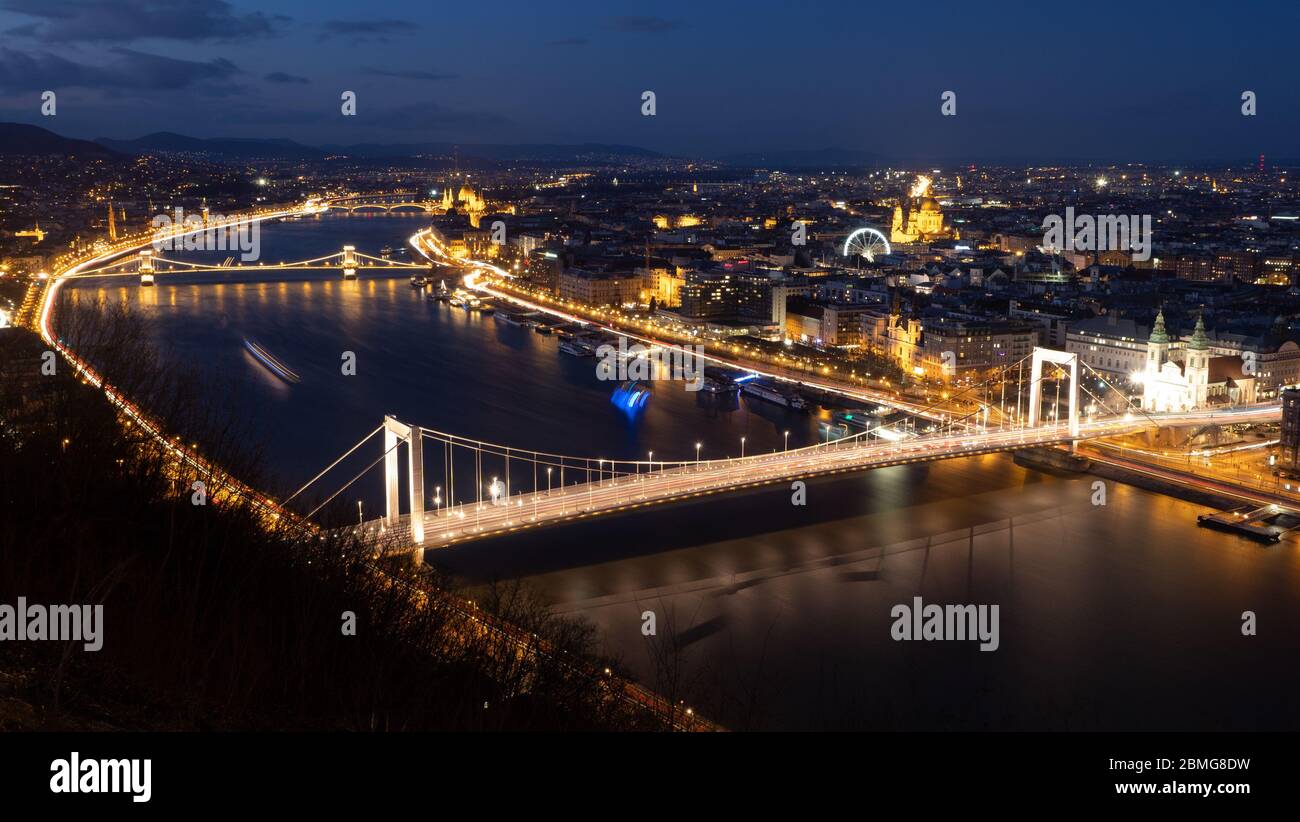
x: 1094, y: 80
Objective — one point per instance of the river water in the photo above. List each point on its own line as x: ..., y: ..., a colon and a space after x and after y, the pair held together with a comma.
x: 1124, y: 616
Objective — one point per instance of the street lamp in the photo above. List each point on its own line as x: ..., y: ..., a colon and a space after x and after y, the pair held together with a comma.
x: 742, y: 448
x: 360, y: 521
x: 697, y: 456
x: 787, y: 440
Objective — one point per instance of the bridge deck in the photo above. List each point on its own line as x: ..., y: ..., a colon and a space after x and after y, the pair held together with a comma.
x: 474, y: 520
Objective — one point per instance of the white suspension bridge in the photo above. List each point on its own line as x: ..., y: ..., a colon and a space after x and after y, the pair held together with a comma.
x: 482, y: 489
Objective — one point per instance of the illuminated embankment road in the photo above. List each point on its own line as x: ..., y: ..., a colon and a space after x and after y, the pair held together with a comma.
x: 609, y: 486
x: 634, y: 485
x: 426, y: 244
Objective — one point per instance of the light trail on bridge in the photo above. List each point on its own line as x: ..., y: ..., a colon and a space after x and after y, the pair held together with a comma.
x: 527, y: 646
x: 626, y: 485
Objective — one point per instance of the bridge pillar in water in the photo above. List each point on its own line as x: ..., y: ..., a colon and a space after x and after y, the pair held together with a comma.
x: 349, y: 264
x: 394, y: 433
x: 1042, y: 355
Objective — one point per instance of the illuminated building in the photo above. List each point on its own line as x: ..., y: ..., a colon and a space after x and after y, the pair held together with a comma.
x: 466, y: 199
x: 827, y: 324
x: 665, y: 285
x: 1289, y: 441
x: 730, y: 295
x: 963, y: 350
x: 922, y: 221
x: 664, y: 222
x: 1201, y: 379
x: 600, y: 287
x: 34, y: 232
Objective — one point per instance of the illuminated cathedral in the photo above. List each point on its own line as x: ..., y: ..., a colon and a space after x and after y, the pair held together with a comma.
x: 922, y: 220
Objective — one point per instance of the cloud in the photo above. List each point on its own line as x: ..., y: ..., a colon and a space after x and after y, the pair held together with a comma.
x: 569, y: 41
x: 281, y: 77
x: 130, y: 70
x: 410, y: 74
x: 649, y: 25
x: 120, y: 21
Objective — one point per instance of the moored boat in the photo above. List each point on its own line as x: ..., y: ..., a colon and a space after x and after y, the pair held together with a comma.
x: 773, y: 394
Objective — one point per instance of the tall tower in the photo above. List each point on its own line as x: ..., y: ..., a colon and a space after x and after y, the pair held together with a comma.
x: 897, y: 232
x: 112, y: 223
x: 1197, y: 367
x: 1158, y: 344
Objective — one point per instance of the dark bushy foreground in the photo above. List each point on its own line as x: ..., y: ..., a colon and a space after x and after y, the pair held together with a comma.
x: 214, y: 621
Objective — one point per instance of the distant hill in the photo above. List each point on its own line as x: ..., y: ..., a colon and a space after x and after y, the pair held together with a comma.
x: 803, y: 159
x: 20, y: 138
x: 486, y: 151
x: 238, y: 148
x: 166, y: 141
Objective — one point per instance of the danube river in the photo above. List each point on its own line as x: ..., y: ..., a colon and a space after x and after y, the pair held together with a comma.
x: 1121, y: 616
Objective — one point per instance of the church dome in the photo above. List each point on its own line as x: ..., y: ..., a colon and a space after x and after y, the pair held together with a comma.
x: 929, y: 204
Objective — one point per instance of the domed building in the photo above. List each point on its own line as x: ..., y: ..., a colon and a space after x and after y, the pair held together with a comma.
x: 467, y: 199
x: 922, y: 220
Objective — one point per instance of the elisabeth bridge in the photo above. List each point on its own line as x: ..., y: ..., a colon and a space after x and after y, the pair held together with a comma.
x: 482, y: 489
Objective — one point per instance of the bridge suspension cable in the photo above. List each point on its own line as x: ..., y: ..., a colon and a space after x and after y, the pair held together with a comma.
x: 358, y: 476
x: 330, y: 467
x: 588, y: 485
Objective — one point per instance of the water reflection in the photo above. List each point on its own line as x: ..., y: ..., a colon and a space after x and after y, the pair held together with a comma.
x: 1121, y: 616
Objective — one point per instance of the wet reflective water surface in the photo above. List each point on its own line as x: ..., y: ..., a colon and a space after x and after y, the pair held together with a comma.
x: 1120, y: 616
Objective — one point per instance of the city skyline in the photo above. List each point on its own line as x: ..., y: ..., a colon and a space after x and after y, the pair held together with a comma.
x: 783, y: 78
x: 372, y: 372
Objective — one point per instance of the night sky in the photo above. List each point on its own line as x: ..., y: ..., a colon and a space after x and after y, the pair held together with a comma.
x: 1122, y: 81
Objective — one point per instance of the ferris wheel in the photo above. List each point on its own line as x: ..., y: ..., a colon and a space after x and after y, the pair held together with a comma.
x: 866, y: 242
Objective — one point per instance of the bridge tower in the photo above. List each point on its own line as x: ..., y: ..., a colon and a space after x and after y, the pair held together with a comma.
x: 394, y: 434
x: 1042, y: 355
x: 349, y: 262
x: 146, y: 261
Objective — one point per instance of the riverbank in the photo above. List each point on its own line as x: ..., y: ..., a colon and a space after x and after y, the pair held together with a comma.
x: 1157, y: 479
x: 212, y: 619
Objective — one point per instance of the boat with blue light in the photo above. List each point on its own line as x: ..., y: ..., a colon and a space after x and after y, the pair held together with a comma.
x: 631, y: 395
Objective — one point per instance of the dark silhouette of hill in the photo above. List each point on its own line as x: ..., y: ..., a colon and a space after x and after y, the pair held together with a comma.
x: 22, y: 139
